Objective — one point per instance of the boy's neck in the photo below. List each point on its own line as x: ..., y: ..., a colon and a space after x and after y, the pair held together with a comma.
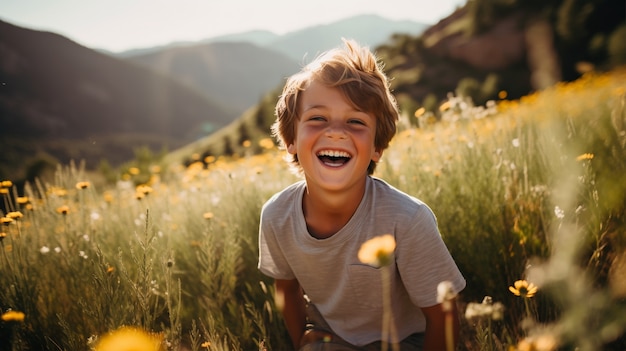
x: 326, y: 212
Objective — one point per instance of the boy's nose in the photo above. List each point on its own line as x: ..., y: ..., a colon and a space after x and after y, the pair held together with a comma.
x: 336, y: 130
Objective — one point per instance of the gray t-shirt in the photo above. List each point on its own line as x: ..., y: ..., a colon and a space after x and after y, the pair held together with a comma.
x: 347, y: 292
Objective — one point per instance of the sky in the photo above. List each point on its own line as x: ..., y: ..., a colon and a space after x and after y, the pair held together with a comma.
x: 119, y: 25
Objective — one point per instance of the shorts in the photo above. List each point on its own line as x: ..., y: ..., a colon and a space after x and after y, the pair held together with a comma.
x: 332, y: 342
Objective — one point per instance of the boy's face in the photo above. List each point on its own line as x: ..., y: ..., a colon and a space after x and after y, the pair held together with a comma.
x: 334, y: 142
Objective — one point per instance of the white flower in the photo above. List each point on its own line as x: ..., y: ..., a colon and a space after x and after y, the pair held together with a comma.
x: 515, y: 142
x: 44, y: 250
x: 560, y: 214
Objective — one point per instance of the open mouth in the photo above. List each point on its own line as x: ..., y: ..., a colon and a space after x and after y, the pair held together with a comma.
x: 334, y: 158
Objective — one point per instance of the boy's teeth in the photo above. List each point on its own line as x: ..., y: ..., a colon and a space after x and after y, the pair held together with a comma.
x: 333, y: 153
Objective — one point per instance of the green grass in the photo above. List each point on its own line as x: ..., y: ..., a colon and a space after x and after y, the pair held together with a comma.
x: 177, y: 257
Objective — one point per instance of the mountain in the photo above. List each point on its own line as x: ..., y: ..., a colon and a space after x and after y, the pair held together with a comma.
x: 237, y: 74
x: 239, y: 68
x: 61, y: 101
x: 371, y: 30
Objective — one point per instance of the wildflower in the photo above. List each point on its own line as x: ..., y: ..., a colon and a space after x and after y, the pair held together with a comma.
x: 266, y: 143
x: 2, y: 235
x: 559, y: 213
x: 515, y: 142
x: 445, y: 294
x: 246, y: 143
x: 129, y: 339
x: 144, y: 189
x: 44, y: 250
x: 377, y: 251
x: 523, y: 288
x: 6, y: 184
x: 485, y: 310
x: 4, y: 191
x: 544, y: 342
x: 420, y: 111
x: 57, y: 249
x: 22, y: 200
x: 206, y: 344
x: 110, y: 269
x: 583, y: 157
x: 13, y: 316
x: 502, y: 94
x: 15, y: 215
x: 56, y: 191
x: 134, y: 171
x: 63, y: 209
x: 108, y: 197
x: 208, y: 215
x: 82, y: 185
x: 6, y: 220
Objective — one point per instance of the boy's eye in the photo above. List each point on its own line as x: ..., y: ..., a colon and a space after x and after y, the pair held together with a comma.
x: 356, y: 121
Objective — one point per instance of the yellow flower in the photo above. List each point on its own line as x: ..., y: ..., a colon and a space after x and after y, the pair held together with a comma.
x: 206, y: 344
x: 4, y: 191
x: 129, y: 339
x: 14, y: 316
x: 523, y: 288
x: 56, y: 191
x: 246, y: 143
x: 377, y: 251
x: 82, y: 185
x: 22, y: 200
x: 2, y: 235
x: 583, y: 157
x: 267, y: 143
x: 63, y: 209
x: 134, y: 170
x: 208, y: 215
x: 6, y: 220
x: 15, y: 215
x: 144, y: 189
x: 6, y: 184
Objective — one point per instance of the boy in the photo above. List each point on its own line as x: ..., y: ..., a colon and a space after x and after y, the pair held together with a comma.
x: 335, y: 118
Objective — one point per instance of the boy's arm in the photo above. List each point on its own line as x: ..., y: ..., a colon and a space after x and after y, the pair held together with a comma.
x: 293, y: 308
x: 435, y: 334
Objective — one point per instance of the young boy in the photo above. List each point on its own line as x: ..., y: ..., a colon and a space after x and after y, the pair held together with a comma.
x: 335, y: 118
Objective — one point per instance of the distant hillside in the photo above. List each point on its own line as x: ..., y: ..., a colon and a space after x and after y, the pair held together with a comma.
x: 239, y: 68
x: 371, y: 30
x: 237, y: 74
x: 62, y: 101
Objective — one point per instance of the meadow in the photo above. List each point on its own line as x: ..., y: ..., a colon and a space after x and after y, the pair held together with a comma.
x: 530, y: 197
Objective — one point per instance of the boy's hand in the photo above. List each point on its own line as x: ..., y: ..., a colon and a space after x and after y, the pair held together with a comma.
x: 313, y: 335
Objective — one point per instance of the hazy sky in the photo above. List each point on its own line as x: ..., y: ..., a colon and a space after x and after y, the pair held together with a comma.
x: 119, y: 25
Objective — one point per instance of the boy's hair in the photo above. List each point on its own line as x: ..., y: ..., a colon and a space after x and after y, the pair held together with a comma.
x: 357, y: 73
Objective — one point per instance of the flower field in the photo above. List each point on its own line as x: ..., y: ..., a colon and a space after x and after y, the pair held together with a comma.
x: 530, y: 196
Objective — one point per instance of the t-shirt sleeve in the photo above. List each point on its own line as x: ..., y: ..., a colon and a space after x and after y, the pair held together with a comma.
x: 424, y: 260
x: 272, y: 261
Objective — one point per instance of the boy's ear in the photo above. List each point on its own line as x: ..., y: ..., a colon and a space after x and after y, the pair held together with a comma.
x: 291, y: 148
x: 377, y: 155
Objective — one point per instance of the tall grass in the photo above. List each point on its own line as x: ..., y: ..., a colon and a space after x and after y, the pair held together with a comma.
x: 531, y: 189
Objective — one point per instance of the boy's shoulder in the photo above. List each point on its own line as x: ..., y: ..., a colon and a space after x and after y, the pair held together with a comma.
x: 395, y: 202
x: 284, y: 199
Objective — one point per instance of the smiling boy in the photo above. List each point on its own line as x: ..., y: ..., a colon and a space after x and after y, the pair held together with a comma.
x: 335, y: 118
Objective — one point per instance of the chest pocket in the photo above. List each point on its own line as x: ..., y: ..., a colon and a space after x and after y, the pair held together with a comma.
x: 366, y: 284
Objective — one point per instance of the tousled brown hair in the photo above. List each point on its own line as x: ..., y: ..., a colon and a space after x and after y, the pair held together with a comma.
x: 358, y: 74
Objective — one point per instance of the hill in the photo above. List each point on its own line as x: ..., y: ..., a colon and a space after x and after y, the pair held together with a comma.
x: 61, y: 101
x: 237, y: 74
x: 370, y: 30
x: 239, y: 68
